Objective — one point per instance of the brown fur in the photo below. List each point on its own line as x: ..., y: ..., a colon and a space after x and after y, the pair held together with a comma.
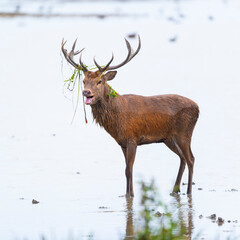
x: 134, y: 120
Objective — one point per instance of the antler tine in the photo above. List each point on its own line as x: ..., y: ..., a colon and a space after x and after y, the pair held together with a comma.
x: 74, y: 44
x: 64, y: 51
x: 69, y: 55
x: 138, y: 49
x: 130, y: 56
x: 107, y: 65
x: 72, y: 54
x: 98, y: 66
x: 80, y: 61
x: 73, y: 48
x: 127, y: 58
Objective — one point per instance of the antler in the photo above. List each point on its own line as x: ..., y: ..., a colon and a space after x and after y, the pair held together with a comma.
x: 104, y: 68
x: 130, y: 56
x: 69, y: 56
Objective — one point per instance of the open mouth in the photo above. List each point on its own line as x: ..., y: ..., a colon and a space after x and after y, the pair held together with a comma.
x: 88, y: 100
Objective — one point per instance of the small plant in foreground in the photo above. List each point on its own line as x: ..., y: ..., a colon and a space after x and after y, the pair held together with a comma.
x: 157, y: 226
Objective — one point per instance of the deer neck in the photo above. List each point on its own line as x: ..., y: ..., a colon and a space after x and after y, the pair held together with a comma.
x: 106, y: 110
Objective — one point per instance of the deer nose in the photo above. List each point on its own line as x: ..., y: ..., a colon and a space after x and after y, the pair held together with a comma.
x: 87, y: 93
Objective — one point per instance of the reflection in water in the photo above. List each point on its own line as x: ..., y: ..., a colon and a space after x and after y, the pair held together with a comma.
x: 129, y: 219
x: 185, y: 213
x: 183, y: 206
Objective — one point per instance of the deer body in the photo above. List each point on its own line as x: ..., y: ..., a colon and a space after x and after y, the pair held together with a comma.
x: 145, y: 120
x: 134, y: 120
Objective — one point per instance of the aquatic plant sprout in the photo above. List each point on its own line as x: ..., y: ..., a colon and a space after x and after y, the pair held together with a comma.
x: 157, y: 226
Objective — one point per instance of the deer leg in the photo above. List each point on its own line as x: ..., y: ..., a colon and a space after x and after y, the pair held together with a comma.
x: 172, y: 145
x: 190, y: 169
x: 176, y: 188
x: 124, y: 150
x: 192, y: 157
x: 188, y: 156
x: 129, y: 153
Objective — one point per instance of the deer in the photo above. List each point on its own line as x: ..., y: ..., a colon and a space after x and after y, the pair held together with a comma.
x: 134, y: 120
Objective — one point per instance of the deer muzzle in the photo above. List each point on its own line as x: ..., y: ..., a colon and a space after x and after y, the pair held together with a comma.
x: 88, y: 96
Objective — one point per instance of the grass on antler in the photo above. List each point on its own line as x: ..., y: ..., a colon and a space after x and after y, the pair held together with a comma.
x: 75, y: 81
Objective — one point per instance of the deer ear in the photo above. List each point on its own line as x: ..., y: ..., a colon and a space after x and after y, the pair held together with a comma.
x: 110, y: 75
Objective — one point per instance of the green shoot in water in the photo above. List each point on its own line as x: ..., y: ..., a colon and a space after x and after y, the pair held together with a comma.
x: 158, y: 226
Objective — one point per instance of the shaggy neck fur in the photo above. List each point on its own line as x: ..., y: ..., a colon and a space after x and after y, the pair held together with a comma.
x: 105, y: 111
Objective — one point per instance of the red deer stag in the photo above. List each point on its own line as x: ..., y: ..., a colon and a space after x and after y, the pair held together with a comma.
x: 134, y: 120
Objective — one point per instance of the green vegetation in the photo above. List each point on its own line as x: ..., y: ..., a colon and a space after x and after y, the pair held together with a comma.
x: 76, y: 76
x: 156, y: 225
x: 75, y: 80
x: 71, y: 83
x: 112, y: 92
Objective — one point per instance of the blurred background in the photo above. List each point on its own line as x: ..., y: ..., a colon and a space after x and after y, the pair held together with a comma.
x: 189, y: 47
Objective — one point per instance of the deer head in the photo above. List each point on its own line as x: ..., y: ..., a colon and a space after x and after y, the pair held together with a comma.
x: 95, y: 83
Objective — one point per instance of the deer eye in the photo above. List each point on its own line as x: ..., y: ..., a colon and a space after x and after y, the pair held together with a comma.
x: 99, y: 82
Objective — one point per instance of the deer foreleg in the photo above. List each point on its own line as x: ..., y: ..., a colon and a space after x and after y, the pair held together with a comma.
x: 129, y: 153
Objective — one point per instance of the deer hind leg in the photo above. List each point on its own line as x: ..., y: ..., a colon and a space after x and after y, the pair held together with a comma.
x: 184, y: 145
x: 173, y: 145
x: 129, y: 153
x: 190, y: 168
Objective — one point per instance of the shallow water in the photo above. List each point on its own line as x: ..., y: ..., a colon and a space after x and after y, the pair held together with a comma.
x: 73, y: 170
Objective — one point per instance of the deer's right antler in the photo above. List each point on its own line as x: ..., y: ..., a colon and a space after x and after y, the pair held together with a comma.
x: 69, y: 56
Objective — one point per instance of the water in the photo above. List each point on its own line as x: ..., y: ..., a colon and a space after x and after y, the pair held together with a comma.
x: 72, y: 170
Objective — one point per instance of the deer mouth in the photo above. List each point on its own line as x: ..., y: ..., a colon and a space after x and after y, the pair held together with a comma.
x: 88, y: 100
